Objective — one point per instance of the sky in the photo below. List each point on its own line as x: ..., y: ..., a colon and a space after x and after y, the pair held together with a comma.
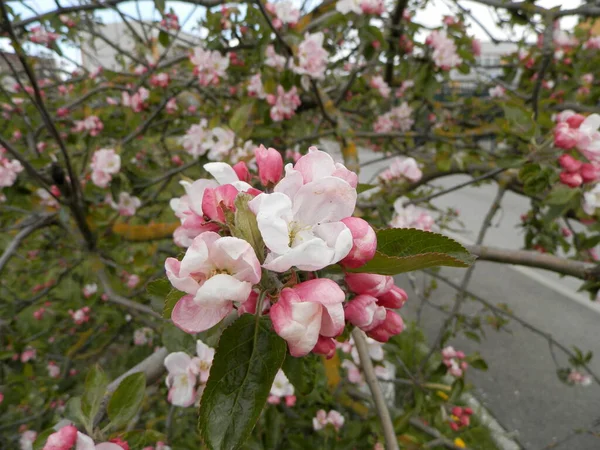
x: 430, y: 16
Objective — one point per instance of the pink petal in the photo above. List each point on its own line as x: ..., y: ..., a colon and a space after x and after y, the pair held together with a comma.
x: 193, y: 318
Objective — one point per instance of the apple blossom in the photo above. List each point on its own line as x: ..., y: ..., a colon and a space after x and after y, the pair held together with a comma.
x: 410, y: 216
x: 215, y: 272
x: 301, y: 221
x: 444, y: 53
x: 322, y: 419
x: 497, y: 92
x: 105, y: 163
x: 242, y: 172
x: 89, y: 290
x: 92, y: 125
x: 160, y: 80
x: 391, y: 326
x: 284, y: 104
x: 272, y: 59
x: 307, y: 310
x: 364, y: 243
x: 270, y: 165
x: 27, y: 439
x: 353, y: 372
x: 285, y: 13
x: 143, y: 336
x: 401, y: 167
x: 398, y: 118
x: 171, y: 106
x: 127, y: 206
x: 256, y: 88
x: 40, y: 35
x: 393, y: 299
x: 591, y: 200
x: 201, y: 364
x: 28, y: 354
x: 9, y: 169
x: 222, y: 141
x: 364, y: 312
x: 80, y: 316
x: 197, y: 139
x: 369, y: 283
x: 132, y: 281
x: 181, y: 380
x: 210, y: 66
x: 281, y: 388
x: 348, y: 6
x: 577, y: 378
x: 312, y: 57
x: 137, y: 101
x: 53, y: 369
x: 379, y: 83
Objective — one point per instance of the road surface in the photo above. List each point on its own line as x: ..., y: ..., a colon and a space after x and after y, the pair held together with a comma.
x: 520, y: 388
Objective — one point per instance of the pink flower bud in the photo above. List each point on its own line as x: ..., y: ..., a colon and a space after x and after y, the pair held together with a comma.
x: 63, y: 439
x: 569, y: 163
x: 575, y: 120
x: 571, y: 179
x: 241, y: 170
x: 369, y: 283
x: 393, y: 299
x: 564, y: 136
x: 362, y: 311
x: 290, y: 400
x: 270, y: 165
x: 589, y: 173
x: 391, y: 326
x: 325, y: 346
x: 216, y: 201
x: 454, y: 426
x: 457, y: 411
x: 364, y: 243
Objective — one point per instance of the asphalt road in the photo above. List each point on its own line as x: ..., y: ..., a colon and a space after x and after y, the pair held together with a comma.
x: 520, y: 388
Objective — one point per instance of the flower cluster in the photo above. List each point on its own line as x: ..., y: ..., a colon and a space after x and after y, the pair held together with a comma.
x: 282, y: 389
x: 305, y: 224
x: 105, y: 163
x: 322, y: 419
x: 40, y: 35
x: 160, y: 80
x: 577, y: 131
x: 143, y: 336
x: 577, y: 378
x: 285, y: 13
x: 217, y: 143
x: 376, y: 354
x: 379, y: 83
x: 91, y: 125
x: 68, y: 438
x: 9, y: 169
x: 127, y: 206
x: 409, y: 216
x: 312, y: 57
x: 497, y: 92
x: 398, y: 118
x: 460, y: 417
x: 401, y: 168
x: 80, y: 316
x: 209, y: 66
x: 284, y: 103
x: 375, y: 7
x: 170, y: 21
x: 444, y: 50
x: 137, y: 101
x: 185, y: 372
x: 575, y: 172
x: 89, y: 290
x: 454, y: 361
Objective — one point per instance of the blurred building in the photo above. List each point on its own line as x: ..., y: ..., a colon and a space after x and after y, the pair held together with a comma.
x: 133, y: 38
x: 43, y: 67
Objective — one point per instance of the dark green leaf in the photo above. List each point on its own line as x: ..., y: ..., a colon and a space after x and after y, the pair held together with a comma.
x: 302, y: 372
x: 41, y: 438
x: 160, y: 288
x: 246, y: 226
x: 362, y: 187
x: 239, y: 119
x: 160, y: 5
x: 177, y: 340
x: 405, y: 249
x: 478, y: 364
x: 73, y: 411
x: 170, y: 302
x: 560, y: 195
x: 245, y: 364
x: 163, y: 38
x: 95, y: 388
x: 126, y: 400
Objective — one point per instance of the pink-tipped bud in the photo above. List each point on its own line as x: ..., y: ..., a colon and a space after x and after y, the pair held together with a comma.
x: 369, y: 283
x: 571, y: 179
x: 325, y: 346
x: 290, y: 400
x: 569, y: 163
x: 363, y: 312
x: 364, y: 243
x: 589, y: 173
x: 575, y: 120
x: 270, y: 165
x: 457, y: 411
x: 393, y: 299
x: 391, y: 326
x: 564, y: 136
x: 216, y: 201
x: 241, y: 170
x: 63, y: 439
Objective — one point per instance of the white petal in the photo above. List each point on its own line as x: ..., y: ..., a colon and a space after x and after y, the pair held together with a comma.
x: 222, y: 172
x: 273, y: 215
x: 177, y: 362
x: 222, y: 288
x: 329, y: 199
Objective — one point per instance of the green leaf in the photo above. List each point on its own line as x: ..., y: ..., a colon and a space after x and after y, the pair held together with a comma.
x: 177, y: 340
x: 520, y: 119
x: 95, y: 388
x: 126, y: 400
x: 302, y: 372
x: 246, y: 226
x: 362, y: 187
x: 40, y: 440
x: 160, y: 5
x: 163, y: 38
x: 170, y: 302
x: 478, y: 364
x: 160, y: 288
x: 73, y: 411
x: 245, y: 364
x: 405, y: 249
x: 240, y: 117
x: 560, y: 195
